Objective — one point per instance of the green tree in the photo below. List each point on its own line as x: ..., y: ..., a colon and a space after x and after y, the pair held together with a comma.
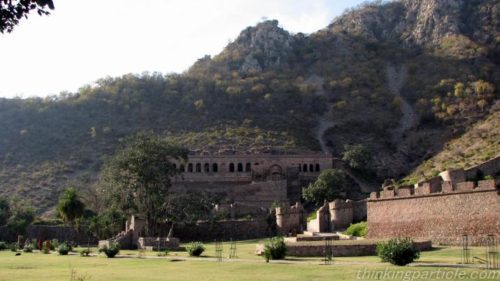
x: 137, y: 177
x: 12, y: 11
x: 356, y: 156
x: 21, y: 216
x: 70, y: 207
x: 107, y: 223
x: 189, y: 207
x: 330, y: 185
x: 4, y: 211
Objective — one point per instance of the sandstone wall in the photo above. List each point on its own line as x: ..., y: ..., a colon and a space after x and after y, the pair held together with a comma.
x: 49, y: 232
x: 443, y: 216
x: 290, y: 220
x: 224, y: 230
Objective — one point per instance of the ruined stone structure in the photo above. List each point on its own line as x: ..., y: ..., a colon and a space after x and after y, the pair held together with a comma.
x: 251, y: 179
x: 442, y: 209
x: 291, y: 220
x: 337, y: 215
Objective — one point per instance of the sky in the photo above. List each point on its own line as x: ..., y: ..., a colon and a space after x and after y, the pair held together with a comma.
x: 84, y: 40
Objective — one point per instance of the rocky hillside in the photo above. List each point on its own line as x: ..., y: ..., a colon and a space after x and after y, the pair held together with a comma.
x: 479, y: 144
x: 401, y: 78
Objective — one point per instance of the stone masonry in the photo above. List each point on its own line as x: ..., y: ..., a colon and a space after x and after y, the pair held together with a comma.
x: 251, y: 179
x: 441, y: 209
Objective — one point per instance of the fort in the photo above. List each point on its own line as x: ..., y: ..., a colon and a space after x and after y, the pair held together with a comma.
x: 443, y: 209
x: 256, y: 179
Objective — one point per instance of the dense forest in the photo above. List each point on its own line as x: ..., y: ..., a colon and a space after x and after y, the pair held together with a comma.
x: 400, y: 78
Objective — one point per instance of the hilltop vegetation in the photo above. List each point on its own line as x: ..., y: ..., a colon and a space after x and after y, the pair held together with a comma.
x: 479, y: 144
x: 433, y: 67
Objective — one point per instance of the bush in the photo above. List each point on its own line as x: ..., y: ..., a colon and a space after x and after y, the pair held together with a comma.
x: 28, y: 248
x: 357, y: 229
x: 63, y: 249
x: 54, y: 244
x: 13, y: 247
x: 399, y: 251
x: 85, y: 252
x: 110, y: 251
x: 3, y: 246
x: 275, y: 249
x: 195, y: 249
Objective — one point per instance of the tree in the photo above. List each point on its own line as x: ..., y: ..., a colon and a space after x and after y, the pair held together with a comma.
x: 4, y: 211
x: 12, y: 11
x: 330, y: 185
x: 107, y: 223
x: 137, y: 177
x: 70, y: 207
x: 21, y: 216
x: 356, y: 156
x: 189, y: 207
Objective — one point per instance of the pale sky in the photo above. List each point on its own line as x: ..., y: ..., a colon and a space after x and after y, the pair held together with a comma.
x: 84, y: 40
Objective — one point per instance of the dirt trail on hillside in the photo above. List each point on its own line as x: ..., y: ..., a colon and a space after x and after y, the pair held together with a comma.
x: 396, y: 78
x: 323, y: 125
x: 325, y: 122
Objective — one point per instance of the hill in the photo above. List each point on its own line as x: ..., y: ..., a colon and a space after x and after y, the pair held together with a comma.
x: 401, y: 78
x: 480, y: 143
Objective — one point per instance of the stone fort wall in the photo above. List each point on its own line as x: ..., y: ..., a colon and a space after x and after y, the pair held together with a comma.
x: 442, y: 209
x: 442, y: 216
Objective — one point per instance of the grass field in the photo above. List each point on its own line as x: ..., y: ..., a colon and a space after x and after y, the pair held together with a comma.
x: 132, y: 265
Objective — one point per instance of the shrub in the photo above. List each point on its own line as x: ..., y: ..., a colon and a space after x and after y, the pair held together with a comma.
x: 195, y: 249
x: 357, y: 229
x: 13, y: 247
x: 398, y: 251
x: 85, y: 252
x: 54, y: 244
x: 3, y: 246
x: 111, y: 250
x: 275, y: 249
x: 28, y: 248
x: 63, y: 249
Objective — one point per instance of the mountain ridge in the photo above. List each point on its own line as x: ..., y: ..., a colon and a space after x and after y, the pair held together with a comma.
x: 272, y: 88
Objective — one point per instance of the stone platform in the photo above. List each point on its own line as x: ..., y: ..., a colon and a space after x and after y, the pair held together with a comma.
x: 342, y: 248
x: 312, y: 236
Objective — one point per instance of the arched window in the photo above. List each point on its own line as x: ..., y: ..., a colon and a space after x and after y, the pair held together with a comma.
x: 311, y: 168
x: 318, y: 168
x: 175, y: 166
x: 304, y: 168
x: 240, y: 167
x: 215, y: 167
x: 231, y: 167
x: 248, y: 167
x: 207, y: 168
x: 190, y: 167
x: 300, y: 168
x: 182, y: 168
x: 198, y: 167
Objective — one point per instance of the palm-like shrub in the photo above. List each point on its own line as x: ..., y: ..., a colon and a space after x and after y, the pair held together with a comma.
x: 195, y: 249
x: 110, y: 251
x: 63, y: 249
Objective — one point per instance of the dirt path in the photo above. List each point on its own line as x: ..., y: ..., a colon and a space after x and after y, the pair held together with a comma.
x: 396, y: 78
x: 323, y: 125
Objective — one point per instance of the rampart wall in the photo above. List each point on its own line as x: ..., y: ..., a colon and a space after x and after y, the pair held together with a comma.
x: 49, y: 232
x: 442, y: 214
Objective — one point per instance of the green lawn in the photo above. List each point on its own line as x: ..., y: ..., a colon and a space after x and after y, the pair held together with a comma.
x: 37, y: 266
